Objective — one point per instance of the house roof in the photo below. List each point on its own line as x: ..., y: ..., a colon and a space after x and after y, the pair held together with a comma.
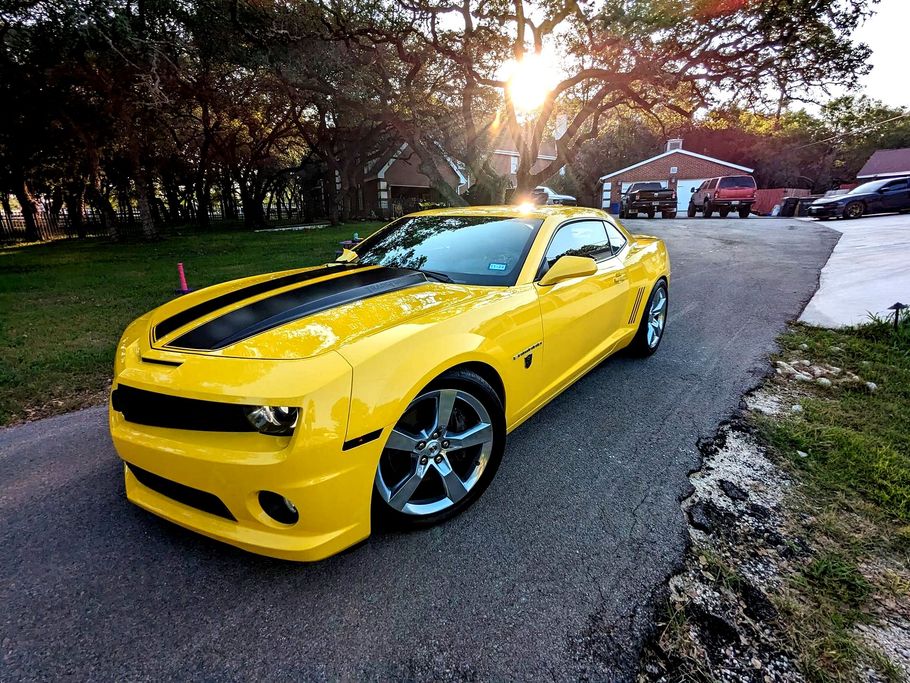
x: 885, y: 162
x: 676, y: 151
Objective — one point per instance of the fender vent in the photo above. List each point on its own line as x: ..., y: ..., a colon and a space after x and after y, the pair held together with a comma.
x: 641, y: 292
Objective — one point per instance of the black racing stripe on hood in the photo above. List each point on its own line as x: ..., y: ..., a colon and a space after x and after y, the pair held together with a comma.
x: 286, y: 307
x: 185, y: 317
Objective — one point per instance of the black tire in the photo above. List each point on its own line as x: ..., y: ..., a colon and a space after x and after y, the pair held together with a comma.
x: 622, y: 213
x: 723, y: 213
x: 668, y: 214
x: 854, y: 210
x: 707, y: 210
x: 650, y: 213
x: 744, y: 213
x: 640, y: 346
x: 690, y: 212
x: 469, y: 382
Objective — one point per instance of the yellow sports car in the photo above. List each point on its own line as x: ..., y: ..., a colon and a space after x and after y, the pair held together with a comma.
x: 282, y: 413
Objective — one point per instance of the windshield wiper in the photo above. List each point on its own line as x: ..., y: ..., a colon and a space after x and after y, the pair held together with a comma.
x: 434, y: 274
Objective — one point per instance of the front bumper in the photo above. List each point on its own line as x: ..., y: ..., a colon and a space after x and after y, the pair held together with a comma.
x: 824, y: 210
x: 329, y: 484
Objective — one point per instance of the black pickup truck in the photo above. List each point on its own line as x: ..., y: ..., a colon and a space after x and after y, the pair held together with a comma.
x: 648, y: 198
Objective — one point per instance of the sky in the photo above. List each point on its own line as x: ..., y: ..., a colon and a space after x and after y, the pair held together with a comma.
x: 886, y: 33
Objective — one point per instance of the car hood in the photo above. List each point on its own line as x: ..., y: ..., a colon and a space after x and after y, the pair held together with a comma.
x: 300, y: 313
x: 841, y: 198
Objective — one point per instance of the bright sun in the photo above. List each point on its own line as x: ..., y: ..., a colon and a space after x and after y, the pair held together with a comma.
x: 531, y: 79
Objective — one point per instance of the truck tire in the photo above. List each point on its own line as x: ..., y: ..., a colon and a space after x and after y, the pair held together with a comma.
x: 668, y: 214
x: 707, y: 210
x: 650, y: 213
x: 723, y: 213
x: 744, y: 212
x: 691, y: 211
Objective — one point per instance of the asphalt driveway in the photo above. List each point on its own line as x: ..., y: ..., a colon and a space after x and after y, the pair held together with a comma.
x: 553, y: 574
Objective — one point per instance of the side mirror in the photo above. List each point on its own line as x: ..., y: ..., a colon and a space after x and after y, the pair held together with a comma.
x: 347, y: 255
x: 567, y: 267
x: 692, y: 190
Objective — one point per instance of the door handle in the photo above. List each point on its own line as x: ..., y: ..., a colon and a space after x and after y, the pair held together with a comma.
x: 622, y: 277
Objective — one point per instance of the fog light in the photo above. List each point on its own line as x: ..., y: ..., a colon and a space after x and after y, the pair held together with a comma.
x: 278, y: 507
x: 277, y: 420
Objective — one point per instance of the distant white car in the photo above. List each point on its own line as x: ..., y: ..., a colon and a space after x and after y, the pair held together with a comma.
x: 544, y: 195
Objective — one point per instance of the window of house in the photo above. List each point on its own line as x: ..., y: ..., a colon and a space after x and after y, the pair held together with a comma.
x: 674, y: 170
x: 513, y: 165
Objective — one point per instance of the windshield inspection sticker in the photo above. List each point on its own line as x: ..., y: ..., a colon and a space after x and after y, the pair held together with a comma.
x: 497, y: 266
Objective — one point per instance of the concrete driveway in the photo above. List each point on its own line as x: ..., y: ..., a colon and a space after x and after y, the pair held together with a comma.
x: 868, y: 271
x: 554, y: 574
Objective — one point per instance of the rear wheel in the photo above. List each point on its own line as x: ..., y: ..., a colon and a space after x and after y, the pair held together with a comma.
x: 650, y: 213
x: 707, y: 210
x: 854, y: 210
x: 653, y: 322
x: 442, y: 453
x: 691, y: 211
x: 723, y: 213
x: 744, y: 212
x: 668, y: 214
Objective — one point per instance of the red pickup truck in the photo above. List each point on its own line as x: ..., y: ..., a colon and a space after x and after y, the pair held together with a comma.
x: 723, y: 194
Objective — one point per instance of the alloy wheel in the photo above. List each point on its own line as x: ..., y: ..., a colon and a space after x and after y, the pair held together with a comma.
x: 436, y: 453
x: 657, y: 317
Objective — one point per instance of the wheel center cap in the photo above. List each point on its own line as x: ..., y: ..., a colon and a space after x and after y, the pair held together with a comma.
x: 433, y: 448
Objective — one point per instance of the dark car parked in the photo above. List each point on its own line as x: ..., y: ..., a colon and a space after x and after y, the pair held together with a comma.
x: 723, y: 194
x: 878, y: 196
x: 648, y: 197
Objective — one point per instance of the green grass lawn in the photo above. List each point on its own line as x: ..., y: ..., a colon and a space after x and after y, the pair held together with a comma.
x: 64, y: 304
x: 855, y: 474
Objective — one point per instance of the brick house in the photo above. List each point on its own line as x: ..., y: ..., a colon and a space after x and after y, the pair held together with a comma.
x: 676, y: 168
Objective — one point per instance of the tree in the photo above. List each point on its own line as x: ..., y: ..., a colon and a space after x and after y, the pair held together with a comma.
x: 657, y: 57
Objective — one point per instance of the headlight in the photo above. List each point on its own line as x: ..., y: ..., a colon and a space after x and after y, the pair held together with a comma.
x: 276, y: 420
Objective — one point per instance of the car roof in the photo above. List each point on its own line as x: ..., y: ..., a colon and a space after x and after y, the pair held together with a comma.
x: 515, y: 210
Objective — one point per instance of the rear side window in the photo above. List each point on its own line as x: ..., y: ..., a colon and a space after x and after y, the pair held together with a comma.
x: 712, y: 184
x: 579, y: 238
x: 737, y: 182
x: 617, y: 239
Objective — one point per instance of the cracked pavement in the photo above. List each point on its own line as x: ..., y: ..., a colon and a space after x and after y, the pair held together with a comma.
x: 553, y: 574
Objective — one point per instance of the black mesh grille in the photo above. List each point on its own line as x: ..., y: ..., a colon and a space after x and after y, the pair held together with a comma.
x: 194, y: 498
x: 161, y: 410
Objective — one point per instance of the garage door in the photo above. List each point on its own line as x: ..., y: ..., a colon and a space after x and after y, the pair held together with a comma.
x: 684, y: 192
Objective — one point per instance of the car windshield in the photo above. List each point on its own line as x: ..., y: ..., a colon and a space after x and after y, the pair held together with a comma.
x: 738, y: 181
x: 874, y: 186
x: 474, y: 250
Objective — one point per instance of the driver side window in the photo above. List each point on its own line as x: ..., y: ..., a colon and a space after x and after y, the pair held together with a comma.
x: 579, y: 238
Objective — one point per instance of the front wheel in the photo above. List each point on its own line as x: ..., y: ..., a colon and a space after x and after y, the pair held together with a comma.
x: 854, y: 210
x: 691, y: 211
x: 653, y: 322
x: 708, y: 210
x: 442, y: 453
